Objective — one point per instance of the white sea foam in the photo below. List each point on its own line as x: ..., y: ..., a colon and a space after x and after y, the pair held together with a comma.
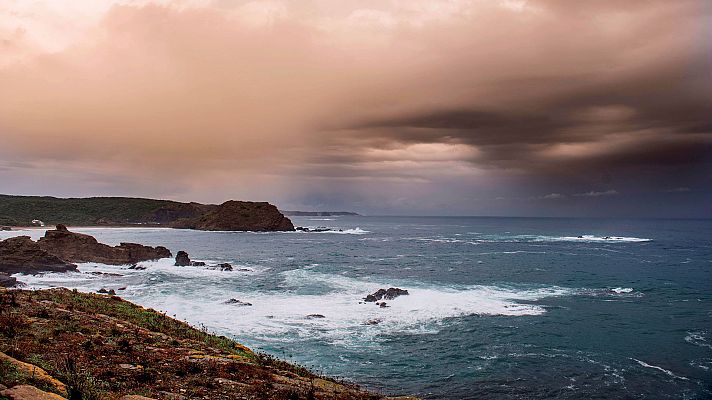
x: 587, y: 238
x: 621, y: 290
x: 698, y: 339
x: 661, y: 369
x: 279, y: 313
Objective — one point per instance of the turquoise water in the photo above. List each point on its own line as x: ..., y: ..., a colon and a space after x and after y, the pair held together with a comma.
x: 498, y: 307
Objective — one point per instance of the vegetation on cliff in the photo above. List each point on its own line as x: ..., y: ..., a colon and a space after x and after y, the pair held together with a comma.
x: 114, y: 211
x: 89, y: 346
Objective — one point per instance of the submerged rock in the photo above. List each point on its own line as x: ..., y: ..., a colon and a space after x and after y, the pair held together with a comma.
x: 22, y: 254
x: 238, y: 302
x: 315, y: 316
x: 386, y: 294
x: 78, y: 247
x: 374, y: 321
x: 197, y: 263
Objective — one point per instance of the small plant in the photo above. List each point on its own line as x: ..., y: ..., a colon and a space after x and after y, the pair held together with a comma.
x: 12, y: 324
x: 80, y: 384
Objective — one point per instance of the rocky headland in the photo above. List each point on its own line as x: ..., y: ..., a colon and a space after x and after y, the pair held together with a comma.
x: 239, y: 216
x: 126, y: 211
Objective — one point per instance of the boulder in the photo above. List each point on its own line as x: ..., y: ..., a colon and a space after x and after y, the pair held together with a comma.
x: 78, y: 247
x: 27, y: 392
x: 386, y: 294
x: 7, y: 281
x: 239, y: 216
x: 38, y: 374
x: 197, y: 263
x: 182, y: 259
x: 5, y: 228
x: 22, y: 254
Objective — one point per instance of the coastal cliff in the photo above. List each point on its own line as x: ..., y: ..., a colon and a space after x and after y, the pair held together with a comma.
x: 239, y: 216
x: 127, y: 211
x: 57, y: 344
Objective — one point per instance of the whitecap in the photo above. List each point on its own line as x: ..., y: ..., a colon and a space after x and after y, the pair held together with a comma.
x: 661, y: 369
x: 621, y: 290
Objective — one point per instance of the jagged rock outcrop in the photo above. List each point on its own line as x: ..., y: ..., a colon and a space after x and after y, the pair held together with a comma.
x: 78, y: 247
x: 239, y: 216
x: 22, y: 254
x: 182, y: 259
x: 386, y: 294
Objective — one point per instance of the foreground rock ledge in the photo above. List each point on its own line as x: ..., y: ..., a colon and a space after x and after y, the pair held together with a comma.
x: 107, y: 348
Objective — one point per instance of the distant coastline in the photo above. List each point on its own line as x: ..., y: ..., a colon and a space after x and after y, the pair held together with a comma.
x: 319, y: 213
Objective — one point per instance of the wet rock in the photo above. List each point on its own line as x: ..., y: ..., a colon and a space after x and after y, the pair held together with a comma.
x: 22, y: 254
x: 5, y: 228
x: 137, y: 267
x: 122, y: 288
x: 98, y: 273
x: 182, y: 259
x: 315, y: 316
x: 224, y: 267
x: 374, y: 321
x: 386, y: 294
x: 7, y: 281
x: 238, y: 302
x: 197, y: 263
x: 78, y: 247
x: 383, y: 305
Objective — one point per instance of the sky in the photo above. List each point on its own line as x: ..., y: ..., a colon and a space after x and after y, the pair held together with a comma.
x: 409, y: 107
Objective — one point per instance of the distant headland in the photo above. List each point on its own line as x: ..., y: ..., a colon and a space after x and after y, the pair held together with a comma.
x: 129, y: 211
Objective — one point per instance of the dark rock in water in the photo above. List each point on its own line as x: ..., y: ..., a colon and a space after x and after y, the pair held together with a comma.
x: 5, y: 228
x: 225, y: 267
x: 98, y: 273
x: 239, y: 216
x: 315, y: 316
x: 317, y: 229
x: 197, y: 263
x: 137, y: 267
x: 22, y: 254
x: 122, y: 288
x: 374, y: 321
x: 182, y: 259
x: 238, y: 302
x: 245, y: 270
x: 383, y: 305
x: 102, y: 291
x: 112, y: 292
x: 386, y: 294
x: 7, y: 281
x: 78, y: 247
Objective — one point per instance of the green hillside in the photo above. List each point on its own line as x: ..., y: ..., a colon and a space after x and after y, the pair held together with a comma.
x: 21, y: 210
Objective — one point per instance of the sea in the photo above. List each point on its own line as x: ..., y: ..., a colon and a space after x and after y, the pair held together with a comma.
x: 498, y: 308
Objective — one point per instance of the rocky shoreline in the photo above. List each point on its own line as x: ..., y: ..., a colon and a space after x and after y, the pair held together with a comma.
x: 63, y: 344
